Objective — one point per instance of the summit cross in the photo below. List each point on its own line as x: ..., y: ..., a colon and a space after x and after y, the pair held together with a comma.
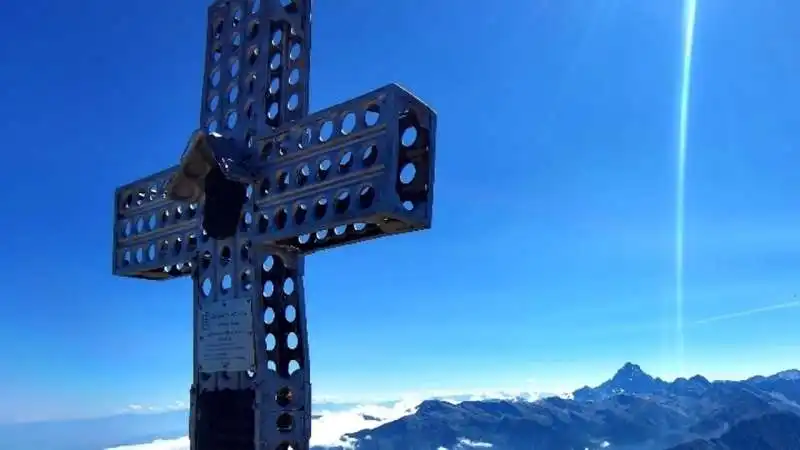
x: 261, y: 185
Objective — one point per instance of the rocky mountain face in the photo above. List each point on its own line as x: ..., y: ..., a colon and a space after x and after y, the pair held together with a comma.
x: 630, y: 411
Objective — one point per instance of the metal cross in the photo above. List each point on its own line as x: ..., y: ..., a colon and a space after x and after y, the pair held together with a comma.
x: 297, y: 184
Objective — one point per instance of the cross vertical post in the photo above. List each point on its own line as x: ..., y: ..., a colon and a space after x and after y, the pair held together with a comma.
x: 293, y: 184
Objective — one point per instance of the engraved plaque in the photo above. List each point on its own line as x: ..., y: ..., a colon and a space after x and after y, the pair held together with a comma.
x: 225, y: 336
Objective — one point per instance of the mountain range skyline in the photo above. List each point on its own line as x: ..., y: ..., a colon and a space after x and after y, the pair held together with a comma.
x: 343, y: 424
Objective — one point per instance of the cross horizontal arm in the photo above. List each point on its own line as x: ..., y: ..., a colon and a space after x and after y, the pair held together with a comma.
x: 154, y: 237
x: 360, y: 170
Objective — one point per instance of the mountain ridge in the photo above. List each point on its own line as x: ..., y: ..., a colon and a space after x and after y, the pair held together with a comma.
x: 632, y: 410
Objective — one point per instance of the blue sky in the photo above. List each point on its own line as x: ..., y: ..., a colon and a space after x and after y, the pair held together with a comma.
x: 552, y: 258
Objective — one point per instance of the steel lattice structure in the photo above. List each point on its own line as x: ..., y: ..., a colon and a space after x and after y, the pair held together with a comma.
x: 359, y: 170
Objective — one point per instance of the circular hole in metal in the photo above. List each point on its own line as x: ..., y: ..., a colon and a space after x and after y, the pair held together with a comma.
x: 366, y: 196
x: 408, y: 205
x: 268, y: 289
x: 292, y: 341
x: 252, y: 55
x: 294, y: 76
x: 139, y: 225
x: 348, y: 123
x: 206, y: 287
x: 233, y: 93
x: 321, y: 235
x: 290, y: 314
x: 263, y: 223
x: 213, y: 126
x: 303, y: 238
x: 226, y: 284
x: 300, y: 213
x: 281, y: 217
x: 277, y: 37
x: 359, y: 226
x: 269, y: 315
x: 283, y: 180
x: 151, y: 252
x: 409, y: 136
x: 294, y: 52
x: 231, y: 119
x: 269, y: 263
x: 342, y: 202
x: 205, y: 260
x: 371, y: 115
x: 274, y: 85
x: 294, y: 101
x: 408, y: 173
x: 320, y: 208
x: 213, y: 103
x: 325, y: 131
x: 284, y: 422
x: 283, y: 397
x: 323, y: 169
x: 288, y: 286
x: 346, y: 162
x: 225, y: 255
x: 246, y: 222
x: 215, y: 77
x: 270, y: 342
x: 294, y: 366
x: 236, y: 40
x: 275, y: 61
x: 302, y: 174
x: 177, y: 246
x: 272, y: 110
x: 340, y: 230
x: 252, y: 29
x: 369, y: 156
x: 235, y: 66
x: 305, y: 138
x: 244, y: 251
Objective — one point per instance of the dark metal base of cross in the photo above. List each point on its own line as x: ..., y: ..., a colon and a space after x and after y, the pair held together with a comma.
x: 268, y: 408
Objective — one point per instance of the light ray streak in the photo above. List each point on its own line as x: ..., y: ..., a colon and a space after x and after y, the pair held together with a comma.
x: 690, y: 14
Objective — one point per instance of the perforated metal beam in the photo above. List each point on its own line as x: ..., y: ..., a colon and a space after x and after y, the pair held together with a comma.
x: 356, y: 171
x: 251, y: 386
x: 154, y: 238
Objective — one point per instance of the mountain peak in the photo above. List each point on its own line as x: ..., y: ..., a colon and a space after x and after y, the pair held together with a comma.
x: 630, y: 367
x: 792, y: 374
x: 630, y: 371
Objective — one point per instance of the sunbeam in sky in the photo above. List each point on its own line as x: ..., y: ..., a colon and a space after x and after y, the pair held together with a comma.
x: 690, y: 14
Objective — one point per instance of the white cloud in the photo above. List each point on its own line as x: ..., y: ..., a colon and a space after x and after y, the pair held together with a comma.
x: 160, y: 444
x: 332, y: 423
x: 466, y: 443
x: 175, y: 406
